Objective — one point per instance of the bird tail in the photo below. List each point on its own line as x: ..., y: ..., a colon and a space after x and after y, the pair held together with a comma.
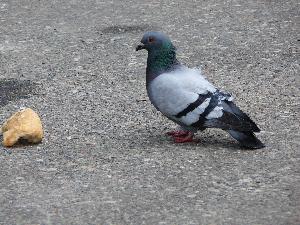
x: 246, y: 139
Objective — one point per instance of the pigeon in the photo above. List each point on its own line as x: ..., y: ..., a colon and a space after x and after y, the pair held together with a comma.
x: 184, y: 96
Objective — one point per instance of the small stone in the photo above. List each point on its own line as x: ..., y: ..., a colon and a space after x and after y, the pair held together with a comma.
x: 25, y: 124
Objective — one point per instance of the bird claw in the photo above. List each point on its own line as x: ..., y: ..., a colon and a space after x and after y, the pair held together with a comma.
x: 183, y: 139
x: 181, y: 136
x: 178, y: 133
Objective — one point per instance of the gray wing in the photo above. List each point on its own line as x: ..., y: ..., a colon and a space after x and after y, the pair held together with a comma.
x: 232, y: 120
x: 232, y: 117
x: 215, y: 110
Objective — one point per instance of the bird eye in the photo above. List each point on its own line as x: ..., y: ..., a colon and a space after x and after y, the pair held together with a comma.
x: 151, y: 39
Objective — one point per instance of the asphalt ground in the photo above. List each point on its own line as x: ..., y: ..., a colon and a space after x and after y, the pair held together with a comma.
x: 105, y: 158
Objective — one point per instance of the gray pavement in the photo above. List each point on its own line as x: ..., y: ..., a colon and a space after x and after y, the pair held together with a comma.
x: 104, y: 158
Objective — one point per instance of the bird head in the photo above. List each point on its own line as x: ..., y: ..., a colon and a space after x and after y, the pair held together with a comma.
x: 155, y: 41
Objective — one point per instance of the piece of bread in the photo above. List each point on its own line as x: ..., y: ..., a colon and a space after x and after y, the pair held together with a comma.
x: 25, y: 124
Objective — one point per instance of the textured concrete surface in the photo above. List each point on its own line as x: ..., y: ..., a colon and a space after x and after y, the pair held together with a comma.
x: 104, y: 159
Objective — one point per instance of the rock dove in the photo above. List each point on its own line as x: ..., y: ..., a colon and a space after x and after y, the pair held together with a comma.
x: 184, y: 96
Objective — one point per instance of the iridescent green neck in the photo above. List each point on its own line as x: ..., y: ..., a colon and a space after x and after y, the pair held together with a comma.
x: 160, y: 60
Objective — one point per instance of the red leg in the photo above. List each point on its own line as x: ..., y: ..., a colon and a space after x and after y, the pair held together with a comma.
x: 187, y: 138
x: 178, y: 133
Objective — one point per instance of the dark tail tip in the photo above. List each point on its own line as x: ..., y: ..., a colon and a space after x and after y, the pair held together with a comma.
x: 246, y: 139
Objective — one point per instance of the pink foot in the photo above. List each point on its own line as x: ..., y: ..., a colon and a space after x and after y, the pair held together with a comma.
x: 187, y: 138
x: 183, y: 140
x: 178, y: 133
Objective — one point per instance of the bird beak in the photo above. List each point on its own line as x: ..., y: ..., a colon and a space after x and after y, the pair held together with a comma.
x: 140, y: 47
